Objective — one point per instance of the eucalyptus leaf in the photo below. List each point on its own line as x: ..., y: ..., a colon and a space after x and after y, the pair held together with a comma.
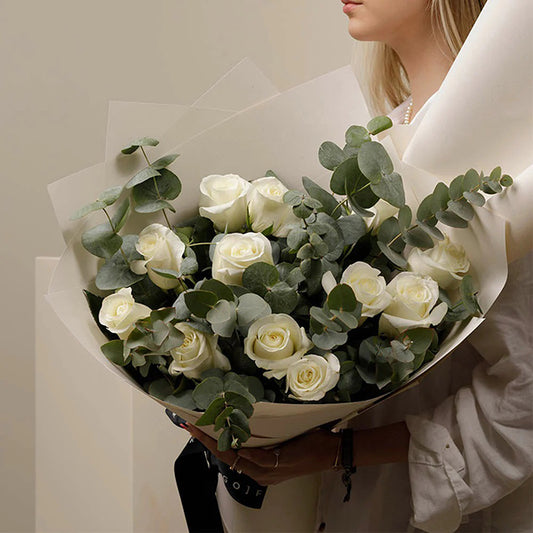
x: 260, y: 277
x: 164, y: 161
x: 221, y: 419
x: 216, y: 407
x: 401, y: 352
x: 182, y: 399
x: 457, y: 187
x: 223, y: 318
x: 251, y: 307
x: 282, y: 298
x: 329, y: 339
x: 374, y: 161
x: 224, y: 441
x: 379, y: 124
x: 419, y: 238
x: 296, y: 238
x: 111, y: 195
x: 160, y: 389
x: 461, y: 208
x: 328, y: 201
x: 141, y: 176
x: 330, y: 155
x: 86, y: 209
x: 350, y: 381
x: 206, y: 391
x: 405, y: 215
x: 475, y: 198
x: 440, y: 197
x: 238, y: 401
x: 342, y: 298
x: 200, y: 302
x: 472, y: 180
x: 393, y: 256
x: 153, y: 195
x: 342, y: 174
x: 121, y: 215
x: 390, y: 189
x: 222, y: 291
x: 114, y: 351
x: 356, y: 136
x: 239, y: 419
x: 352, y: 227
x: 101, y: 241
x: 451, y: 219
x: 432, y: 231
x: 144, y: 141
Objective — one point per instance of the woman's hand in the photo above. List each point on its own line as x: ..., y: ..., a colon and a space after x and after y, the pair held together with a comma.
x: 310, y: 453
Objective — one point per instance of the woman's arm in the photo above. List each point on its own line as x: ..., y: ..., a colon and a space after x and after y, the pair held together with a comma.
x: 314, y: 452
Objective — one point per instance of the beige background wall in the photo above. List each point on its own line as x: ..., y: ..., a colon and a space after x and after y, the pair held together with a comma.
x: 61, y: 62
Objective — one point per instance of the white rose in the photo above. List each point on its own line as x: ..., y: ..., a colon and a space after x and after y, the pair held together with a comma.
x: 368, y: 285
x: 198, y: 352
x: 223, y: 201
x: 274, y: 342
x: 266, y: 207
x: 119, y: 312
x: 161, y: 248
x: 312, y: 376
x: 446, y: 263
x: 237, y: 251
x: 412, y: 305
x: 382, y: 211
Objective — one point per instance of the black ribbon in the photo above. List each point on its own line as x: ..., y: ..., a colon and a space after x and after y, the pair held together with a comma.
x: 196, y: 471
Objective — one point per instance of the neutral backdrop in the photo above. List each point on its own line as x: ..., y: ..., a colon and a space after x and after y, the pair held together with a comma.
x: 61, y: 62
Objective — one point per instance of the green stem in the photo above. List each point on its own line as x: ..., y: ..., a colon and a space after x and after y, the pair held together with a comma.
x: 115, y: 232
x: 156, y: 188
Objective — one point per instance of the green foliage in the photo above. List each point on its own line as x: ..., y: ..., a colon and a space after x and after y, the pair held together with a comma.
x: 330, y: 155
x: 356, y: 136
x: 114, y: 351
x: 153, y: 195
x: 200, y: 302
x: 144, y: 141
x: 327, y: 200
x: 260, y: 278
x: 379, y: 124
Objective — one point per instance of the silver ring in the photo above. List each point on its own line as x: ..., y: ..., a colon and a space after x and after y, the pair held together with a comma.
x: 277, y: 452
x: 232, y: 467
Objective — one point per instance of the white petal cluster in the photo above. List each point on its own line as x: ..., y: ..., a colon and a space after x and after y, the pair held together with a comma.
x: 161, y: 248
x: 412, y: 305
x: 309, y: 378
x: 368, y: 285
x: 446, y: 263
x: 120, y: 311
x: 235, y: 252
x: 274, y: 342
x: 198, y: 352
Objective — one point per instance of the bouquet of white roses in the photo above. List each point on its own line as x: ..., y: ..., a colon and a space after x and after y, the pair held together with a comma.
x: 279, y: 295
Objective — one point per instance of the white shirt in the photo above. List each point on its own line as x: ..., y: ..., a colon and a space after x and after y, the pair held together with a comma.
x: 471, y: 424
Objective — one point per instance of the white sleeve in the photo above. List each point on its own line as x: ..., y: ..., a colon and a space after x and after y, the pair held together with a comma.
x: 477, y: 446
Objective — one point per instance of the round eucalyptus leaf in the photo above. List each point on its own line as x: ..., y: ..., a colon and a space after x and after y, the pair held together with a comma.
x: 164, y: 161
x: 141, y: 176
x: 342, y: 174
x: 374, y: 161
x: 350, y: 381
x: 114, y: 351
x: 144, y: 141
x: 101, y: 241
x: 432, y: 231
x: 86, y: 209
x: 352, y: 227
x: 224, y: 441
x: 216, y: 407
x: 221, y: 419
x: 418, y: 238
x: 111, y: 195
x: 390, y: 189
x: 325, y: 318
x: 451, y: 219
x: 260, y: 277
x: 239, y: 419
x: 356, y: 136
x: 251, y: 307
x: 457, y: 187
x: 461, y: 208
x: 255, y: 387
x: 223, y: 318
x: 207, y: 391
x: 425, y: 211
x: 329, y: 339
x: 418, y: 340
x: 296, y: 238
x: 328, y: 201
x: 472, y: 180
x: 238, y: 401
x: 222, y: 291
x: 506, y: 180
x: 475, y: 198
x: 282, y: 298
x: 401, y: 353
x: 293, y: 198
x: 153, y: 195
x: 182, y: 399
x: 342, y: 298
x: 468, y: 295
x: 440, y: 197
x: 160, y: 389
x: 200, y: 302
x: 302, y: 211
x: 379, y: 124
x: 330, y: 155
x: 167, y: 273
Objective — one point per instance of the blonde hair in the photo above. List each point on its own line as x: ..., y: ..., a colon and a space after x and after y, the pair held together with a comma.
x: 387, y: 83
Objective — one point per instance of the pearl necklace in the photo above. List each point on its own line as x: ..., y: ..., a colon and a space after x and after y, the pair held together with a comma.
x: 408, y: 112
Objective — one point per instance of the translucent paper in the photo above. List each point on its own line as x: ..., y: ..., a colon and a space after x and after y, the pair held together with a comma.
x: 282, y: 133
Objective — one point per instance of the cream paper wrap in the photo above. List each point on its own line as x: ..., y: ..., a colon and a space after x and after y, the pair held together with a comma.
x: 283, y: 133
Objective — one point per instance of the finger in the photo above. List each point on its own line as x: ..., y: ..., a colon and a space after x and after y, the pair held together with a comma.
x: 259, y: 456
x: 227, y: 457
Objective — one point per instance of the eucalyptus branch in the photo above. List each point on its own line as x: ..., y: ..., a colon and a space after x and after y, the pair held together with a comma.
x: 156, y: 188
x: 115, y: 231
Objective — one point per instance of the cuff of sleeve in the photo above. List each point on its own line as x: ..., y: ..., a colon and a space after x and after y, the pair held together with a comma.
x: 436, y: 470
